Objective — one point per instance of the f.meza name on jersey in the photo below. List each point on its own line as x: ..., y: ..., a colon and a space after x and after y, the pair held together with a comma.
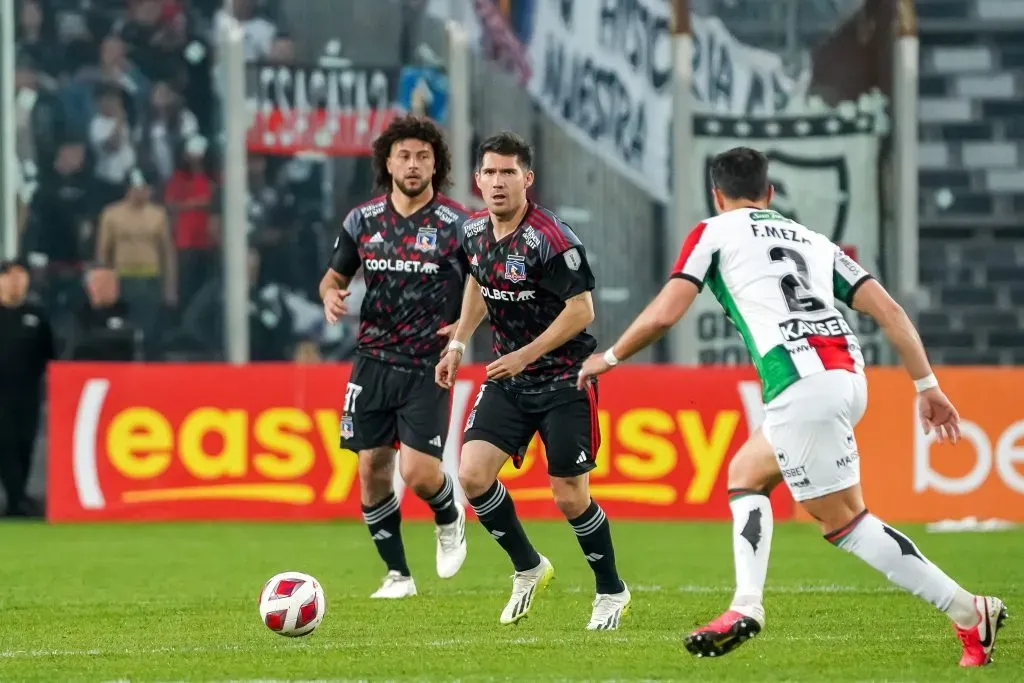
x: 525, y: 279
x: 778, y: 281
x: 413, y: 276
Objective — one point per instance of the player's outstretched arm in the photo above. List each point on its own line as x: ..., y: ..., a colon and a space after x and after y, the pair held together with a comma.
x: 936, y: 411
x: 661, y: 314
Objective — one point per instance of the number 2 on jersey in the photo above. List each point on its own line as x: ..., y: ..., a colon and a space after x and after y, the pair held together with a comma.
x: 795, y: 285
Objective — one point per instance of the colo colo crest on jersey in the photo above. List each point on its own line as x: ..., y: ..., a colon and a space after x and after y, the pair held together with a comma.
x: 515, y: 268
x: 426, y: 239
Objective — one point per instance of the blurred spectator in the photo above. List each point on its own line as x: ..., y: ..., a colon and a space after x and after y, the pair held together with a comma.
x: 102, y: 331
x: 271, y: 333
x: 263, y: 197
x: 26, y: 346
x: 166, y: 125
x: 188, y: 197
x: 114, y: 69
x: 39, y: 115
x: 135, y: 239
x: 104, y: 87
x: 307, y: 351
x: 111, y: 139
x: 262, y: 203
x: 195, y: 82
x: 282, y: 50
x: 259, y: 30
x: 276, y: 243
x: 37, y: 36
x: 58, y: 225
x: 155, y: 32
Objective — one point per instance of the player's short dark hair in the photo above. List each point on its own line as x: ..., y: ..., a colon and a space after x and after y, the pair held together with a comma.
x: 507, y: 144
x: 412, y: 127
x: 741, y: 173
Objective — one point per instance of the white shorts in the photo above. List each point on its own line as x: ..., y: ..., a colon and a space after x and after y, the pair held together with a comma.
x: 810, y: 426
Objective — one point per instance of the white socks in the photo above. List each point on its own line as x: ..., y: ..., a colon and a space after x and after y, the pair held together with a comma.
x: 896, y: 556
x: 866, y: 536
x: 752, y: 525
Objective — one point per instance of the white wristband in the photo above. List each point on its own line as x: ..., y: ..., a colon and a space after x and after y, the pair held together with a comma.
x: 457, y: 346
x: 926, y: 383
x: 610, y: 359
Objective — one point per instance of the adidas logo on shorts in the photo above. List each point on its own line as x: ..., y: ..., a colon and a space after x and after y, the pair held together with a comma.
x: 436, y: 441
x: 582, y: 459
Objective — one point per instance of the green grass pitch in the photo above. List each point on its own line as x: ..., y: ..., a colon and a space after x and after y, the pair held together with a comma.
x: 170, y: 602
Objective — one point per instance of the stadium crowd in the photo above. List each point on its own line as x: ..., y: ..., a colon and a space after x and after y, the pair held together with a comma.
x: 119, y: 141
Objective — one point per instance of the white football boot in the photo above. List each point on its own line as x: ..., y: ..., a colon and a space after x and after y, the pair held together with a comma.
x: 525, y: 586
x: 609, y: 609
x: 451, y: 544
x: 396, y: 586
x: 979, y: 641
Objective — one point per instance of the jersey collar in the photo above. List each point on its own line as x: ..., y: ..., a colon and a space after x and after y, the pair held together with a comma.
x: 423, y: 209
x: 530, y: 208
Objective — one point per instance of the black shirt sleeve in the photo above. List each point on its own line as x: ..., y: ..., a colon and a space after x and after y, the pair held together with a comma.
x: 345, y: 260
x: 568, y: 273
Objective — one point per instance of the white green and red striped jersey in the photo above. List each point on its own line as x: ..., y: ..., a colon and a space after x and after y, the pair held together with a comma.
x: 778, y: 282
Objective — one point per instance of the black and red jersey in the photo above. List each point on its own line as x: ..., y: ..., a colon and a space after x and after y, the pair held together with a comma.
x: 525, y: 278
x: 413, y: 273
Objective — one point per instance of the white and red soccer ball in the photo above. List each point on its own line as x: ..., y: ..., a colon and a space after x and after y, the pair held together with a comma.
x: 292, y: 604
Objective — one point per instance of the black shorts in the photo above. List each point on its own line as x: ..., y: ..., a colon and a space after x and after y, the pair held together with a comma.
x: 566, y: 419
x: 387, y: 404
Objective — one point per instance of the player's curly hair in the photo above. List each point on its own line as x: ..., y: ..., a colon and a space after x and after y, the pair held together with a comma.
x: 412, y: 127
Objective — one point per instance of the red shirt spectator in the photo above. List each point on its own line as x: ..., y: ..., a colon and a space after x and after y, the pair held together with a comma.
x: 188, y: 195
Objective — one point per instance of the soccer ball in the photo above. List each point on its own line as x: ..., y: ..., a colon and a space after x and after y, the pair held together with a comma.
x: 292, y: 604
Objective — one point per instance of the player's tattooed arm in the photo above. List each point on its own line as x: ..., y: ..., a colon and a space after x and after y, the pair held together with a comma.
x: 574, y: 318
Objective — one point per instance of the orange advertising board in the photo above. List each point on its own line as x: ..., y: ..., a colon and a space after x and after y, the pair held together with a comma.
x: 135, y: 442
x: 907, y: 476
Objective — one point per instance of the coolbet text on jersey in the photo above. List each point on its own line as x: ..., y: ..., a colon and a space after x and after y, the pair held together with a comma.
x: 525, y: 279
x: 413, y: 277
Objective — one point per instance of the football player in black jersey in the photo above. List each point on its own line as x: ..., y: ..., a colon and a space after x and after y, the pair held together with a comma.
x: 406, y: 243
x: 529, y: 272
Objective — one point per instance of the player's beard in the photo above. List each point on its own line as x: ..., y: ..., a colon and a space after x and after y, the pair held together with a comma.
x: 412, y: 191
